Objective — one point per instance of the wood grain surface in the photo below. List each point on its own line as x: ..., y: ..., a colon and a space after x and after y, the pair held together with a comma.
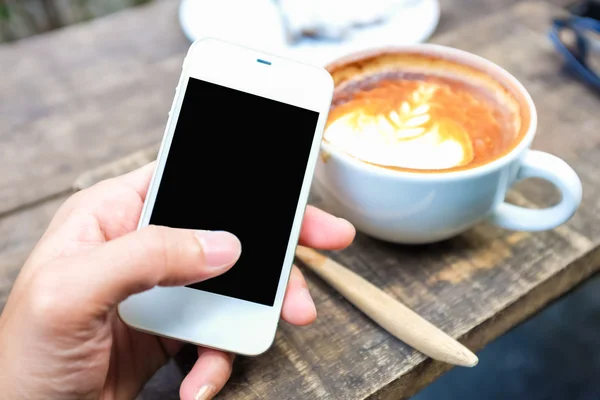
x: 85, y: 95
x: 386, y: 311
x: 66, y: 112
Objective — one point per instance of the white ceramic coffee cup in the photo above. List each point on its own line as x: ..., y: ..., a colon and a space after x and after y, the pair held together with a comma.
x: 414, y: 208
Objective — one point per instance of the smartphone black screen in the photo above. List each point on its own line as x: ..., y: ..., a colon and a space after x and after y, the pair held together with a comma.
x: 236, y: 163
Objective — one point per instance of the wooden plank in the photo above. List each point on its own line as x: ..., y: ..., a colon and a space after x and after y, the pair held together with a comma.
x: 83, y: 96
x: 88, y: 94
x: 475, y: 287
x: 457, y: 13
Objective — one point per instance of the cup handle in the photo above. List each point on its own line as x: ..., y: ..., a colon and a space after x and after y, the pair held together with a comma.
x: 537, y: 164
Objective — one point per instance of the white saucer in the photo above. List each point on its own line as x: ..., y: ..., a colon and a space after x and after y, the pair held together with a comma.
x: 230, y: 20
x: 253, y: 23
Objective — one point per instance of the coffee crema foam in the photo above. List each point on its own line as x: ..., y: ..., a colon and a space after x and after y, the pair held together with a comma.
x: 420, y: 119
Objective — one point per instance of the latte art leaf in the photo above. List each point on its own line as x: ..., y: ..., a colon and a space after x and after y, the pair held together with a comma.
x: 417, y: 120
x: 415, y: 124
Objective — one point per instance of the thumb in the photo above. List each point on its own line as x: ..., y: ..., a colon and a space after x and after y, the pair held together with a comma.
x: 152, y: 256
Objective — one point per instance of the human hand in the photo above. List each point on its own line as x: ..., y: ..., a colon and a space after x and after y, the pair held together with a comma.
x: 60, y: 336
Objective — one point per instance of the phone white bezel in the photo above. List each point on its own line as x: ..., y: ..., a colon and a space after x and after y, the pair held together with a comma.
x: 209, y: 319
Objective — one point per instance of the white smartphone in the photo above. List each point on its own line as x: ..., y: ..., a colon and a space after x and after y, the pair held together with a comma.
x: 238, y: 154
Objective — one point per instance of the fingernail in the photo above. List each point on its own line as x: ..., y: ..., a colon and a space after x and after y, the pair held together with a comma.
x: 220, y: 248
x: 346, y: 222
x: 205, y: 393
x: 306, y: 294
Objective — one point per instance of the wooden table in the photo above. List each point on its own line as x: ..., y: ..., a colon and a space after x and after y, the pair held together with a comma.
x: 91, y: 94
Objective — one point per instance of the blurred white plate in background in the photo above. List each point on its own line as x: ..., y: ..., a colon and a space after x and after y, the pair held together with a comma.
x: 253, y: 23
x: 259, y: 24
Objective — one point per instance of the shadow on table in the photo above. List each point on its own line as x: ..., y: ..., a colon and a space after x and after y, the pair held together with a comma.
x: 553, y: 356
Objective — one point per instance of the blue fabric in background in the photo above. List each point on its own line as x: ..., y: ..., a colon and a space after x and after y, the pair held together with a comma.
x: 553, y: 356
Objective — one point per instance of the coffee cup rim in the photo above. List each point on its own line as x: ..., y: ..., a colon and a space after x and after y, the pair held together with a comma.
x: 461, y: 56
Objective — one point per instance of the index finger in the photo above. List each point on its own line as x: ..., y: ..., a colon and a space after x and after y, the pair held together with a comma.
x: 320, y: 229
x: 135, y: 182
